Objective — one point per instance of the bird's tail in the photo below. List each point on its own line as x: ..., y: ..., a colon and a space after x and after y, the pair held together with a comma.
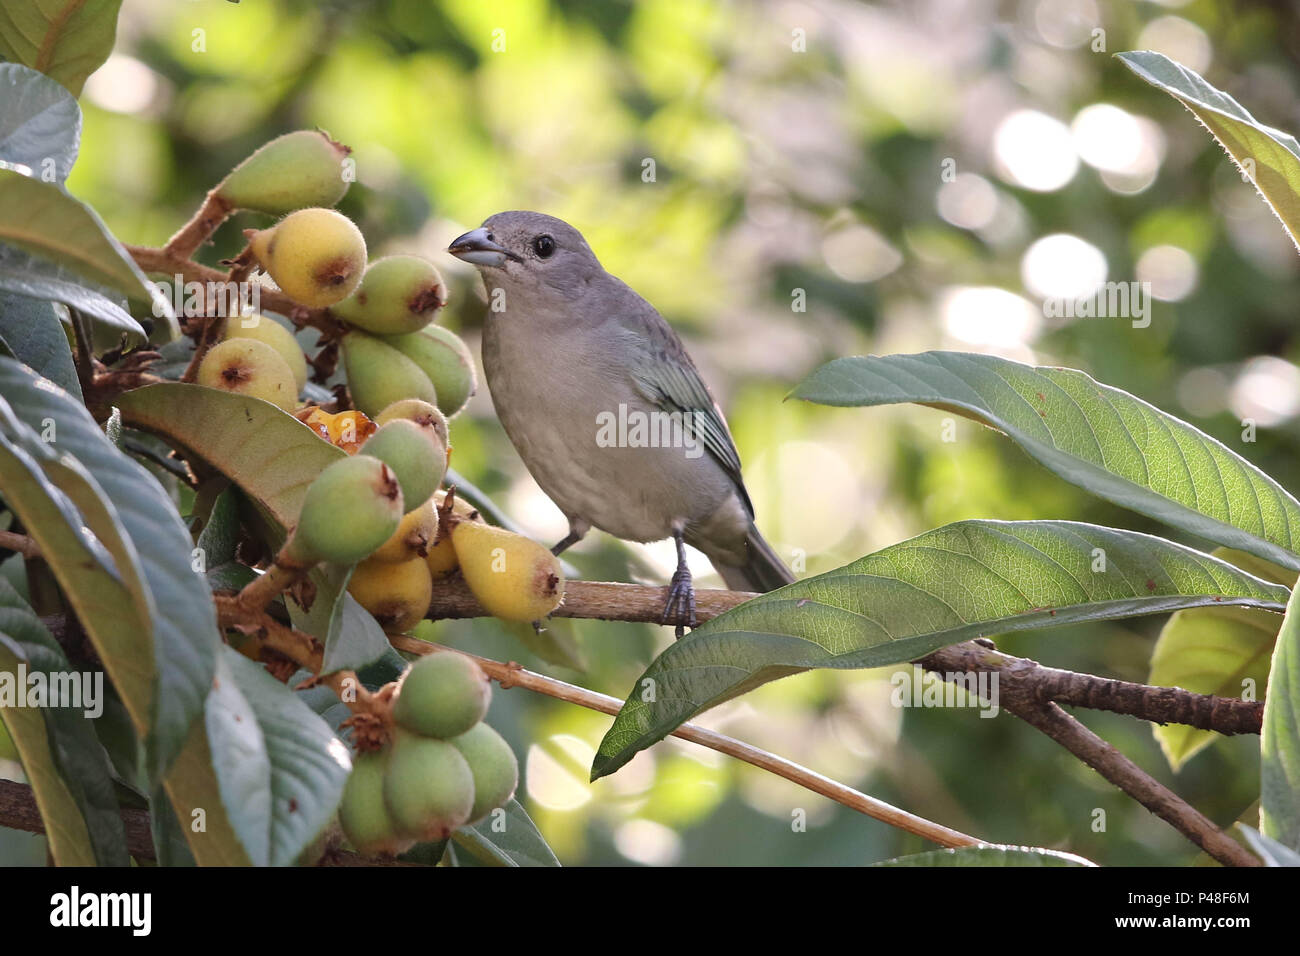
x: 763, y: 569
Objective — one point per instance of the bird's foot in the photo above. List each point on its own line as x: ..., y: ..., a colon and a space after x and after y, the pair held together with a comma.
x: 680, y: 606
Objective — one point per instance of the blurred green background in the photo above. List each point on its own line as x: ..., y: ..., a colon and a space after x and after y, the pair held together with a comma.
x: 926, y: 173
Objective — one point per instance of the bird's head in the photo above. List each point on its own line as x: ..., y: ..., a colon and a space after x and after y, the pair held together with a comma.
x: 531, y: 250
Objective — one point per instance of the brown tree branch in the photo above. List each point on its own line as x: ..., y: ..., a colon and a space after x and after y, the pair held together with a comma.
x: 1023, y: 692
x: 214, y: 211
x: 512, y: 675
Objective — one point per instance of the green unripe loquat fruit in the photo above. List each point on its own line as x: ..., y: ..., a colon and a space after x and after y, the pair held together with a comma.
x: 442, y: 695
x: 379, y: 375
x: 418, y: 462
x: 298, y: 169
x: 397, y: 294
x: 350, y: 510
x: 428, y: 787
x: 494, y: 766
x: 362, y: 812
x: 445, y: 359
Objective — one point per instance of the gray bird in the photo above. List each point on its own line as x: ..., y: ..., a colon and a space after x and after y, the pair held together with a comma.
x: 576, y: 362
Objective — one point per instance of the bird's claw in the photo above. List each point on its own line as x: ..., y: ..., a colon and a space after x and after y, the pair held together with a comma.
x: 680, y: 606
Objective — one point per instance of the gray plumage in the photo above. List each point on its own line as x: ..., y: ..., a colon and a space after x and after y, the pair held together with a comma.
x: 565, y: 344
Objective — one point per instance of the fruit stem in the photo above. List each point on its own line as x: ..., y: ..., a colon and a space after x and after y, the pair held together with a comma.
x: 214, y: 211
x: 283, y: 573
x: 162, y: 262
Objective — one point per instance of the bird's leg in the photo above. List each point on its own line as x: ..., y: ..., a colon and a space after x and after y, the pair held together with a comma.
x: 681, y: 592
x: 569, y: 540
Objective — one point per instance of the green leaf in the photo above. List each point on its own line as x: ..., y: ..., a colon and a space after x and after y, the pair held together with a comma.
x: 308, y: 764
x: 59, y: 750
x: 38, y: 278
x: 195, y: 793
x: 1215, y: 650
x: 241, y: 761
x: 42, y: 220
x: 1279, y: 743
x: 506, y: 837
x: 1269, y: 850
x: 1270, y: 156
x: 218, y: 541
x: 268, y: 453
x: 31, y: 332
x: 965, y: 580
x: 169, y: 843
x: 1097, y: 437
x: 40, y: 123
x: 990, y: 855
x: 351, y: 635
x: 65, y: 39
x: 171, y: 634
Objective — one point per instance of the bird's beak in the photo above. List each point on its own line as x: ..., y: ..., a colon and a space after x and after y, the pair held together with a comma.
x: 476, y: 247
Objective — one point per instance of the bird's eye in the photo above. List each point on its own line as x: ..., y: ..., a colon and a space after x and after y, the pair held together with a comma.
x: 544, y: 246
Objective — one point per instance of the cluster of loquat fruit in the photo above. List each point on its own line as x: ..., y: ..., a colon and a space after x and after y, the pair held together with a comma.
x: 443, y: 768
x: 433, y: 765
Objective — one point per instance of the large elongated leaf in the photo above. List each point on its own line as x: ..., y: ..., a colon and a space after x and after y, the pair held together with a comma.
x: 31, y: 332
x: 40, y: 123
x: 67, y: 39
x: 506, y: 838
x: 181, y: 617
x: 1097, y: 437
x: 60, y: 751
x: 42, y: 220
x: 307, y: 765
x: 1270, y: 156
x: 1215, y: 650
x: 964, y: 580
x: 1279, y: 798
x: 990, y: 855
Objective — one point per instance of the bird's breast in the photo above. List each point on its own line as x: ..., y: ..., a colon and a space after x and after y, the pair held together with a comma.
x: 595, y: 445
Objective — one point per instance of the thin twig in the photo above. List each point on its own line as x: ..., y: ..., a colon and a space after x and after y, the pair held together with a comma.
x: 84, y: 356
x: 23, y: 544
x: 512, y: 675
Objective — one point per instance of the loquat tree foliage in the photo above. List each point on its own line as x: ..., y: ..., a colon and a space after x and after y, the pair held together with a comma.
x: 242, y: 542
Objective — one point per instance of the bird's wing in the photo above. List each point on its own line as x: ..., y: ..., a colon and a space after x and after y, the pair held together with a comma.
x: 668, y: 378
